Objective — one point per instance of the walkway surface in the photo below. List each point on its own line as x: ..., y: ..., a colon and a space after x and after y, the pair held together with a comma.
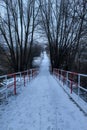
x: 42, y: 105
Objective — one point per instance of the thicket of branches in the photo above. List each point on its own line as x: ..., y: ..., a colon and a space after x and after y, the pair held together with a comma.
x: 65, y: 25
x: 4, y: 64
x: 18, y: 22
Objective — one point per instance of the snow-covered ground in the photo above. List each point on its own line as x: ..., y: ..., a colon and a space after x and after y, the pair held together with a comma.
x: 42, y: 105
x: 78, y: 100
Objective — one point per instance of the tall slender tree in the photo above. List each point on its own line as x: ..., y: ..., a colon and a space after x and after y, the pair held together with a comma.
x: 17, y: 26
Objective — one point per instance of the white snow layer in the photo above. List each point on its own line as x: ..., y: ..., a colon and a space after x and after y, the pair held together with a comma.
x: 42, y: 105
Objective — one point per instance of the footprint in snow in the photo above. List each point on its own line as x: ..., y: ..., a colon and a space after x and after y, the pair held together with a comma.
x: 49, y: 128
x: 61, y: 120
x: 59, y: 114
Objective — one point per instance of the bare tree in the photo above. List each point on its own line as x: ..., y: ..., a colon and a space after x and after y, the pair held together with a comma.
x: 63, y: 25
x: 17, y: 27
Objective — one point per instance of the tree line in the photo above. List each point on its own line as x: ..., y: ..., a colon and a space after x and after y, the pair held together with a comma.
x: 17, y: 26
x: 63, y: 23
x: 65, y: 26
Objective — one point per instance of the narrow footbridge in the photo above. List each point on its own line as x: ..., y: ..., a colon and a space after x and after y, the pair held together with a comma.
x: 73, y: 83
x: 37, y: 100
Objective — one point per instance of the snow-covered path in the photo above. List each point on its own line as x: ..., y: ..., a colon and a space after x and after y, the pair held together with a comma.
x: 43, y: 105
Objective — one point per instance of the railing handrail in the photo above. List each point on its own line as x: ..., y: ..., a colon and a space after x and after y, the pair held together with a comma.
x: 2, y: 76
x: 74, y: 85
x: 69, y: 76
x: 25, y: 75
x: 85, y: 75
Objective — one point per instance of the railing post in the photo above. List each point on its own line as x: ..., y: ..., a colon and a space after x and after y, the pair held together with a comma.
x: 29, y: 73
x: 6, y: 87
x: 78, y: 85
x: 67, y: 79
x: 20, y: 78
x: 32, y: 73
x: 64, y: 77
x: 58, y: 74
x: 24, y: 78
x: 61, y: 75
x: 71, y: 87
x: 15, y: 84
x: 27, y: 76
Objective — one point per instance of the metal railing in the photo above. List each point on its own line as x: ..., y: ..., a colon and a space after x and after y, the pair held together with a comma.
x: 11, y: 82
x: 74, y: 81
